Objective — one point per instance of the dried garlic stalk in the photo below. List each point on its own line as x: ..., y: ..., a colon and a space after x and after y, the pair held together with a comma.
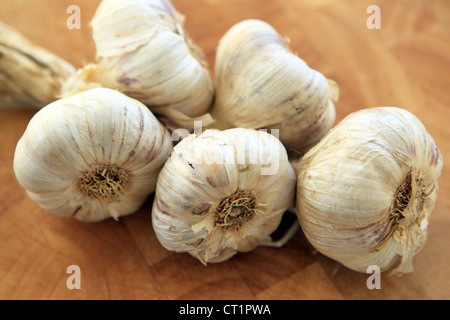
x: 30, y: 76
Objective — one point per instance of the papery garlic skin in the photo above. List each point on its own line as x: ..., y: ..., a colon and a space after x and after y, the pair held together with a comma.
x: 261, y: 83
x: 30, y: 75
x: 95, y: 135
x: 143, y: 51
x: 366, y: 191
x: 204, y: 172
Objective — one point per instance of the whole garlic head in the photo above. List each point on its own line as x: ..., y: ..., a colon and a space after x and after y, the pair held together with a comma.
x: 366, y: 191
x: 222, y: 192
x: 93, y: 155
x: 143, y: 51
x: 261, y: 83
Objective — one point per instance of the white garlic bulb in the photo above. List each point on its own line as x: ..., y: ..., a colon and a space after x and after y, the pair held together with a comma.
x: 30, y: 75
x: 260, y: 83
x: 222, y: 192
x: 366, y: 191
x: 92, y: 155
x: 143, y: 51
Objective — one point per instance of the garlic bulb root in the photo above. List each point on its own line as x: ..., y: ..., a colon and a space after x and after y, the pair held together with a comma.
x: 91, y: 156
x: 103, y: 182
x: 30, y: 75
x: 366, y: 191
x: 261, y: 83
x: 214, y: 197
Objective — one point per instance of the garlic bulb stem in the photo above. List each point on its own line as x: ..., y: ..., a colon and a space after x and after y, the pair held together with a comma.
x: 286, y: 237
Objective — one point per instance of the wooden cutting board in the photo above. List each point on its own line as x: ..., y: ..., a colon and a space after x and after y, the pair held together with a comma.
x: 405, y: 63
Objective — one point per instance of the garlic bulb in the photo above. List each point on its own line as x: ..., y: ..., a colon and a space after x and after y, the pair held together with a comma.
x: 222, y: 192
x: 91, y: 156
x: 30, y: 75
x: 143, y: 51
x: 366, y: 191
x: 260, y: 83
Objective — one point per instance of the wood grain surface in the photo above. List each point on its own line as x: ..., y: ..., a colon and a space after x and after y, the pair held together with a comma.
x: 406, y: 63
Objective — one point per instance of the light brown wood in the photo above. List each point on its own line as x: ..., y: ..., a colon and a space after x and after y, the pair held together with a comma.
x: 405, y: 64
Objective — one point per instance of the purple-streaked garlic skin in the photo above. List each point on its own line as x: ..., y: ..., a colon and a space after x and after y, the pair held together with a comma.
x: 365, y: 192
x: 261, y: 84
